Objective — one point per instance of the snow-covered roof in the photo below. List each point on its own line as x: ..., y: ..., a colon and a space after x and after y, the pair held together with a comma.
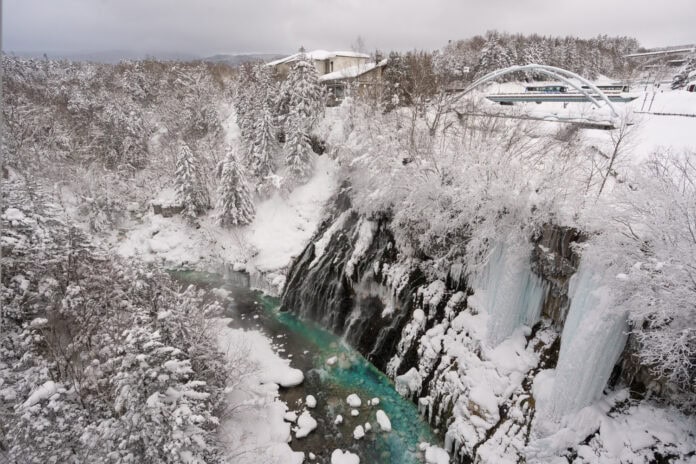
x: 318, y: 55
x: 351, y: 71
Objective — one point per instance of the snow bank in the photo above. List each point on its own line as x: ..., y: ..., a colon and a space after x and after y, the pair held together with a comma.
x: 266, y: 433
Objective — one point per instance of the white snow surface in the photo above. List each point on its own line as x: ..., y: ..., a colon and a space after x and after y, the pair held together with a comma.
x: 280, y: 231
x: 265, y: 435
x: 358, y: 432
x: 317, y: 55
x: 44, y: 392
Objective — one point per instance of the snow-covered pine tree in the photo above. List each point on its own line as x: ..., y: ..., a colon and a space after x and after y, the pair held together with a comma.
x: 493, y: 56
x: 234, y: 203
x: 264, y: 147
x: 305, y: 105
x: 306, y: 96
x: 298, y: 151
x: 395, y: 76
x: 245, y: 105
x: 190, y: 189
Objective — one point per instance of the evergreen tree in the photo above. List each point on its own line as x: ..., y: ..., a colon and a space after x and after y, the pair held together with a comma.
x: 395, y: 77
x: 306, y: 96
x: 493, y: 56
x: 298, y: 151
x: 234, y: 203
x: 264, y: 147
x: 305, y: 103
x: 190, y: 188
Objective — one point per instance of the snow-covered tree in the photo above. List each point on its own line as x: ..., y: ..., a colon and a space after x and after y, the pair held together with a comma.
x: 190, y: 187
x: 305, y: 104
x: 395, y: 80
x: 234, y: 204
x: 686, y: 72
x: 264, y: 148
x: 494, y: 55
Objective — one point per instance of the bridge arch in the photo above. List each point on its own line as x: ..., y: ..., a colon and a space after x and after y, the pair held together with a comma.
x: 553, y: 72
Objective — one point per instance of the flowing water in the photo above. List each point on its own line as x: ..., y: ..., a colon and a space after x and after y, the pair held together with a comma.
x: 309, y: 347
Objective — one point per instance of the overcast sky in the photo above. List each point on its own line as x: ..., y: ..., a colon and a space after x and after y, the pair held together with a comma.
x: 204, y: 27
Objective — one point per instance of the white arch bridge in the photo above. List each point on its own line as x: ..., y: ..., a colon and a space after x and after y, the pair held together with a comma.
x: 586, y: 89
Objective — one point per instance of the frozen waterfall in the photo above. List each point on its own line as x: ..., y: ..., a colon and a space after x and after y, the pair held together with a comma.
x: 593, y: 338
x: 508, y: 290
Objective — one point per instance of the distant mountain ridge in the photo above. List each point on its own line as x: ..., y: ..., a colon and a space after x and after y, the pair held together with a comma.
x: 114, y: 56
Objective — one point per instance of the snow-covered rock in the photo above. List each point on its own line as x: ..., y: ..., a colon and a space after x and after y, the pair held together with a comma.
x: 305, y: 425
x: 344, y: 457
x: 383, y: 421
x: 409, y: 383
x: 354, y: 412
x: 353, y: 400
x: 311, y: 401
x: 358, y: 432
x: 338, y: 420
x: 436, y: 455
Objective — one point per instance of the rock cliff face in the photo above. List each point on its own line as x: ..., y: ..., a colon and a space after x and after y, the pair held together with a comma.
x: 431, y: 330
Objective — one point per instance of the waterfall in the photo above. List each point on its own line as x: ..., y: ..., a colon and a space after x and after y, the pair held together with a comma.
x: 593, y: 338
x: 508, y: 290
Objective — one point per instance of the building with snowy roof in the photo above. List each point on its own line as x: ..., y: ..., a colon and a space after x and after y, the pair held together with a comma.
x: 364, y: 78
x: 325, y: 62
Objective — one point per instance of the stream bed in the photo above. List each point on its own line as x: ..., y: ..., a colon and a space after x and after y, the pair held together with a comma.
x: 310, y: 347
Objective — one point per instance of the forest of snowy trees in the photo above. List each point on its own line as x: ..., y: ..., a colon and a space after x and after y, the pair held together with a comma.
x: 587, y: 57
x: 112, y: 356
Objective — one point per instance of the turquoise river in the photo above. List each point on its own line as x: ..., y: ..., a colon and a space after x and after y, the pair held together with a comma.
x: 309, y: 347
